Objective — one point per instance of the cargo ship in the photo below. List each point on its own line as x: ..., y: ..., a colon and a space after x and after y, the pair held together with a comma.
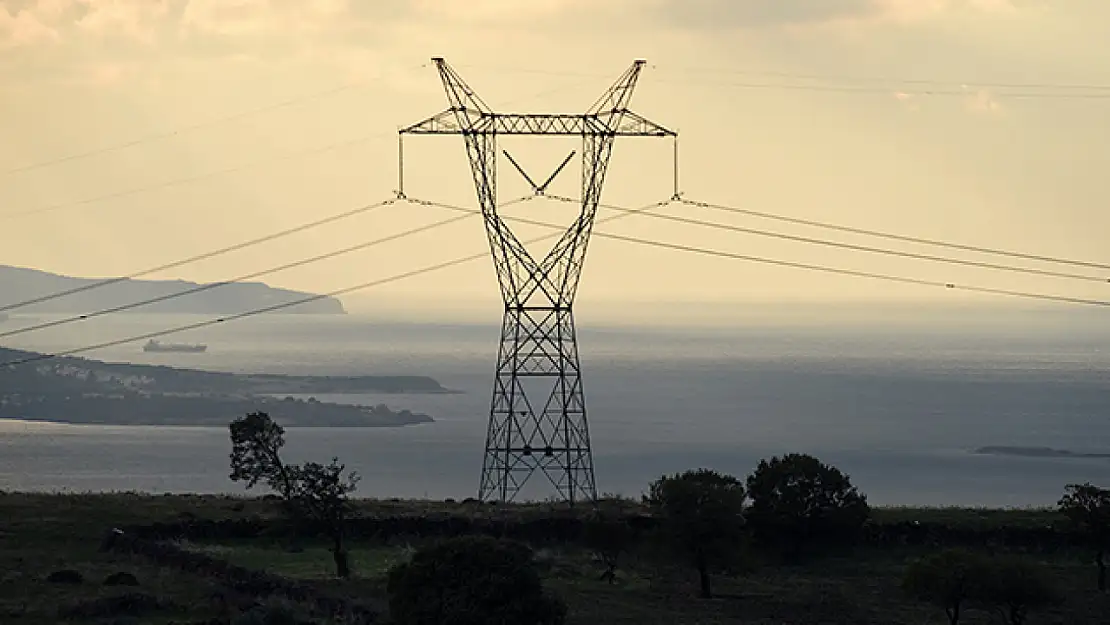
x: 179, y: 348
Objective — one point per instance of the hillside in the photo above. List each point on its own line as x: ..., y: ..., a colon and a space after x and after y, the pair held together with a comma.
x: 69, y: 375
x: 22, y: 284
x: 79, y: 390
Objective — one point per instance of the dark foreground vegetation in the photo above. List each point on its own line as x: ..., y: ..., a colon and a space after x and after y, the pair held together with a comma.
x: 208, y: 559
x: 794, y: 542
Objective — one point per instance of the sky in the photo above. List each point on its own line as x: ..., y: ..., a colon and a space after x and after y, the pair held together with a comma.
x: 975, y: 121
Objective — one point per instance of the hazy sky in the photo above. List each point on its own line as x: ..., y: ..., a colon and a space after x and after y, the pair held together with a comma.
x: 1020, y: 167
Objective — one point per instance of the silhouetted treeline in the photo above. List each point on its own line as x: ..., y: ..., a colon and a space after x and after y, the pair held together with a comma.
x: 566, y: 529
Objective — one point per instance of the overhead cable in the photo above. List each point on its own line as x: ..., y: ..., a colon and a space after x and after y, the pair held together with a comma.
x: 897, y: 237
x: 811, y: 267
x: 250, y: 276
x: 199, y: 257
x: 284, y: 305
x: 861, y: 248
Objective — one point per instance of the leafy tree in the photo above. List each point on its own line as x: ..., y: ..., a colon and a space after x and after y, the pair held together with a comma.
x: 322, y: 495
x: 1088, y: 508
x: 1018, y: 586
x: 797, y: 501
x: 256, y: 442
x: 703, y: 515
x: 949, y: 579
x: 310, y: 492
x: 471, y: 580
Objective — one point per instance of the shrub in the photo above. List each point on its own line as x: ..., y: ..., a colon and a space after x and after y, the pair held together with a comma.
x: 471, y: 580
x: 1019, y: 586
x: 799, y: 502
x: 65, y: 576
x: 271, y: 612
x: 949, y: 579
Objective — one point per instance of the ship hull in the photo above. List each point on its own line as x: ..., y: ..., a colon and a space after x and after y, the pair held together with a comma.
x: 184, y: 349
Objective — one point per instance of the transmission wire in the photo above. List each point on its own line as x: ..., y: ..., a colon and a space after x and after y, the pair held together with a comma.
x: 197, y: 125
x: 1036, y: 90
x: 859, y: 248
x: 210, y: 174
x: 806, y: 266
x: 204, y: 256
x: 641, y: 241
x: 305, y: 300
x: 896, y: 237
x: 256, y: 274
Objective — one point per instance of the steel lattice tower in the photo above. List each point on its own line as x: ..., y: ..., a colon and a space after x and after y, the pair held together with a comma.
x: 537, y: 364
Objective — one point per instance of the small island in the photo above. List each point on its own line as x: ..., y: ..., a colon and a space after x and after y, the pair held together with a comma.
x: 199, y: 411
x: 84, y: 391
x: 1035, y: 452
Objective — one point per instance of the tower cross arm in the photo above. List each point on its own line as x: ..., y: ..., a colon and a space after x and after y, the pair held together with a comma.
x: 622, y: 123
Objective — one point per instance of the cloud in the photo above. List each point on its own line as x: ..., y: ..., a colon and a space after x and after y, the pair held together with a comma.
x: 24, y: 27
x: 807, y: 14
x: 730, y: 14
x: 134, y: 21
x: 262, y: 17
x: 908, y: 101
x: 983, y: 102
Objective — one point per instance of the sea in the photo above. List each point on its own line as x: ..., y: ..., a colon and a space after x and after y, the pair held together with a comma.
x: 899, y: 407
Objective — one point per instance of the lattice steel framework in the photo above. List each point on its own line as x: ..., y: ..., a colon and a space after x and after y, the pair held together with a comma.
x: 537, y: 364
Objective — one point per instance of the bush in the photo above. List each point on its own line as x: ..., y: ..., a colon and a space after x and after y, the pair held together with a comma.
x: 471, y: 580
x: 127, y: 604
x: 949, y: 579
x: 65, y: 576
x: 1019, y: 586
x: 271, y: 612
x: 799, y: 502
x: 954, y: 579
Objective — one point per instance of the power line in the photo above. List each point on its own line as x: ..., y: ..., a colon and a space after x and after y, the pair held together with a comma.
x: 904, y: 81
x: 194, y: 126
x: 309, y: 299
x: 189, y: 179
x: 219, y: 172
x: 243, y: 315
x: 807, y: 266
x: 860, y: 248
x: 640, y: 241
x: 897, y: 237
x: 1023, y: 95
x: 192, y: 259
x: 858, y: 274
x: 1100, y: 91
x: 250, y: 276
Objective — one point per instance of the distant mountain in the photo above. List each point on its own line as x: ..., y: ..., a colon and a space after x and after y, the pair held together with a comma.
x: 18, y: 284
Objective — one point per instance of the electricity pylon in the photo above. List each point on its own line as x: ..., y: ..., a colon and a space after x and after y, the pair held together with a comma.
x: 537, y: 364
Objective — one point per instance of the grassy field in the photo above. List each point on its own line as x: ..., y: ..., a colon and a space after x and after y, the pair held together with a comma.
x: 40, y: 534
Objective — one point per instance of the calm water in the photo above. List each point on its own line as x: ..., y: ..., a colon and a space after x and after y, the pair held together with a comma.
x: 899, y: 410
